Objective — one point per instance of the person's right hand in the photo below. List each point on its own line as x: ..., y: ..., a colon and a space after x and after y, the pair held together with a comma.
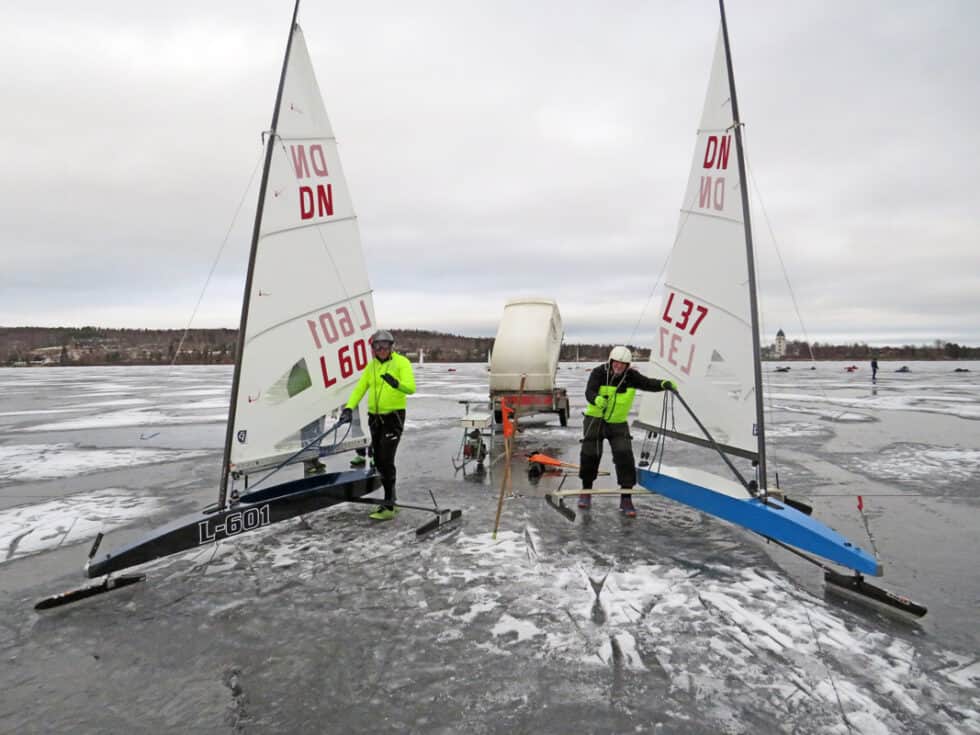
x: 600, y: 402
x: 346, y: 416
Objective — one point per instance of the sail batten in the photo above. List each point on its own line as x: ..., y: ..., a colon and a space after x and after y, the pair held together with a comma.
x: 335, y: 221
x: 703, y: 336
x: 309, y: 309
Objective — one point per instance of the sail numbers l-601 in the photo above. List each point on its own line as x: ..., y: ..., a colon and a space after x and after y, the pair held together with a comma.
x: 336, y: 325
x: 233, y: 523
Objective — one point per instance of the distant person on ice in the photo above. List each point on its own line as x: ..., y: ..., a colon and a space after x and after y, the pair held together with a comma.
x: 610, y: 392
x: 387, y: 379
x: 874, y: 369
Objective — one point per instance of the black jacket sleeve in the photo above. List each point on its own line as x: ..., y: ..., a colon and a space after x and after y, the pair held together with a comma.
x: 596, y: 378
x: 635, y: 379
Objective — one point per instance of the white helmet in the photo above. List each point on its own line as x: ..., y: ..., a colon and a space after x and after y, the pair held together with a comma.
x: 382, y: 335
x: 621, y: 354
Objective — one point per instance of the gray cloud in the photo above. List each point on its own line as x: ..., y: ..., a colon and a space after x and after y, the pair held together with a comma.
x: 496, y: 150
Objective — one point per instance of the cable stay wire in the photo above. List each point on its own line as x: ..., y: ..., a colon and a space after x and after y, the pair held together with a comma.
x: 207, y: 282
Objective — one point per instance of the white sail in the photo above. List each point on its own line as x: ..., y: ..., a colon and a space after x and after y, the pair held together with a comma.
x: 310, y: 310
x: 703, y: 334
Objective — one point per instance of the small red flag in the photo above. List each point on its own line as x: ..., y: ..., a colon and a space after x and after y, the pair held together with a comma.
x: 505, y: 414
x: 860, y: 503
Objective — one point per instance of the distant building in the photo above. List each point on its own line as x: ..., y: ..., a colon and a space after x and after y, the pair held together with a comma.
x: 780, y: 348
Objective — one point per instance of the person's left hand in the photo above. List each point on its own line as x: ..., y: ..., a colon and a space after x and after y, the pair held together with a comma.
x: 390, y: 380
x: 668, y: 385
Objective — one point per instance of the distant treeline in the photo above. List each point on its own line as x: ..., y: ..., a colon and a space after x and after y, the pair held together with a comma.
x: 98, y: 346
x: 938, y: 350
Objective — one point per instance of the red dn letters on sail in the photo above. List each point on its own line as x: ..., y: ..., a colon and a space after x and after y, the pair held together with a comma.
x: 315, y: 192
x: 711, y: 193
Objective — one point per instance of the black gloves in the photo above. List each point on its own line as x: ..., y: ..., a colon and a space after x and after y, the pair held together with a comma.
x: 390, y: 380
x: 346, y: 416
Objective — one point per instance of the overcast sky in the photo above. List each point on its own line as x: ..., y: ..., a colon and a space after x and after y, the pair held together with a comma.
x: 493, y: 150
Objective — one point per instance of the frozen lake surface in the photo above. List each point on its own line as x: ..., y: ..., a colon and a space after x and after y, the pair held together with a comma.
x: 671, y: 622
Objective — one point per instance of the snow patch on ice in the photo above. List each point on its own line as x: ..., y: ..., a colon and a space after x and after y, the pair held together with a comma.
x: 35, y: 528
x: 49, y: 461
x: 704, y: 628
x: 507, y: 624
x: 918, y: 463
x: 128, y: 418
x: 796, y: 429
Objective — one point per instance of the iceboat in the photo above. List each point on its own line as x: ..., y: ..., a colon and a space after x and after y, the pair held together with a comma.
x: 708, y: 341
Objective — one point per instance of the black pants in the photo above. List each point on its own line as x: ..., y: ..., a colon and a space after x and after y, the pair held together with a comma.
x: 386, y: 432
x: 595, y: 431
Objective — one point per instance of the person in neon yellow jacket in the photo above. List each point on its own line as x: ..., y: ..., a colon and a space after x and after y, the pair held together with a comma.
x: 386, y: 380
x: 610, y: 391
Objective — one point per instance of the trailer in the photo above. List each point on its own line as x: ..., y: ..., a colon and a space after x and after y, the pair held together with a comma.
x: 524, y: 360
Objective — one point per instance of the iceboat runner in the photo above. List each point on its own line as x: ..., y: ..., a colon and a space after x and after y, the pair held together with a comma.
x: 707, y: 340
x: 306, y: 318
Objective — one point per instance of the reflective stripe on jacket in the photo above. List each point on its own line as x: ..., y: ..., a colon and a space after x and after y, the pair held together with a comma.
x: 618, y: 390
x: 382, y: 398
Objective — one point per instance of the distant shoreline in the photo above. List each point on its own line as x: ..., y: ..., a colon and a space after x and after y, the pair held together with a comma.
x: 85, y: 346
x: 861, y: 364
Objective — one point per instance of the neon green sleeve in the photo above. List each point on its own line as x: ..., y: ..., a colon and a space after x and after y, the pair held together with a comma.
x: 406, y: 377
x: 360, y: 389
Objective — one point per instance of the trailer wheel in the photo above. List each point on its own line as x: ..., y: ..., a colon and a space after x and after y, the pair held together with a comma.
x: 563, y: 416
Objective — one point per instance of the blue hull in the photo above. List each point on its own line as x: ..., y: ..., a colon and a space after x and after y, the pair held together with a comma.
x: 773, y: 520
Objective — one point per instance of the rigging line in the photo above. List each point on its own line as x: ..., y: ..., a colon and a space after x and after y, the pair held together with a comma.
x: 661, y: 448
x: 207, y: 281
x: 767, y: 404
x: 315, y: 441
x: 830, y: 673
x: 214, y: 263
x: 782, y: 265
x: 680, y: 229
x: 867, y: 527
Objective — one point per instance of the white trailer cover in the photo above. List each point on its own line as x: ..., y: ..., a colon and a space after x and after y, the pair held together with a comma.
x: 528, y: 343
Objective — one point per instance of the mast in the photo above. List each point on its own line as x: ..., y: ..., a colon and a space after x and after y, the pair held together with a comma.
x: 243, y: 321
x: 746, y: 219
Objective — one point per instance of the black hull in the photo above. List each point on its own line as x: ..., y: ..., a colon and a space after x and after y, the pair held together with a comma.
x: 252, y: 510
x: 107, y: 585
x: 854, y: 587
